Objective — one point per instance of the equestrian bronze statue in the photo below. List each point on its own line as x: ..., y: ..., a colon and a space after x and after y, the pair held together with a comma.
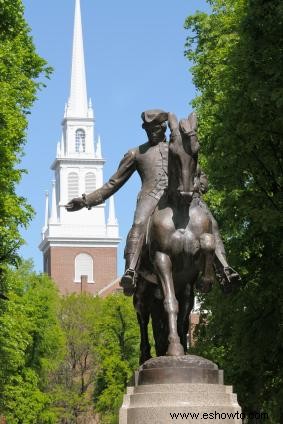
x: 174, y: 244
x: 180, y: 247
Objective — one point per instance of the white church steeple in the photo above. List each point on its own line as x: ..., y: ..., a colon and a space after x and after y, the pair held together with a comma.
x: 78, y: 104
x: 78, y: 121
x: 78, y: 168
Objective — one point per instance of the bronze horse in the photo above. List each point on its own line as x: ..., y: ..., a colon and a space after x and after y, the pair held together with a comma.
x: 179, y: 250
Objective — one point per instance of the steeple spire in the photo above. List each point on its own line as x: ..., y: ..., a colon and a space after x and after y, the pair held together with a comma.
x: 78, y: 104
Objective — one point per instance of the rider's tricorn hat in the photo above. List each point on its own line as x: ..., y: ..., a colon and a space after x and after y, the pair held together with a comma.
x: 154, y: 116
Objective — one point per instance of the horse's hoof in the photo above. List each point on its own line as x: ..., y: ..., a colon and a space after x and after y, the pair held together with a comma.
x: 230, y: 280
x: 232, y: 277
x: 175, y: 349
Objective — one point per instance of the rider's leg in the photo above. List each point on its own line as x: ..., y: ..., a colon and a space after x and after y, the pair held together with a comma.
x: 186, y: 304
x: 145, y: 206
x: 131, y: 254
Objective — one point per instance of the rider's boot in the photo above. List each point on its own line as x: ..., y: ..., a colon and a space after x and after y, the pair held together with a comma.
x: 128, y: 279
x: 132, y: 252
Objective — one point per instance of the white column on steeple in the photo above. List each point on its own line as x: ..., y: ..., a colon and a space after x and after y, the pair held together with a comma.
x: 112, y: 220
x: 44, y: 228
x: 62, y: 147
x: 65, y: 110
x: 58, y: 152
x: 98, y: 153
x: 77, y: 104
x: 90, y: 109
x: 53, y: 215
x: 112, y: 223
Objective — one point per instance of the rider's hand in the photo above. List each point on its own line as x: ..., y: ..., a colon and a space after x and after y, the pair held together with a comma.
x: 75, y: 204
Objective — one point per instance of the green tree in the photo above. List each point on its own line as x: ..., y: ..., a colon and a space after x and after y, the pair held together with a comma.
x: 237, y: 55
x: 118, y: 355
x: 72, y: 383
x: 20, y: 69
x: 31, y: 344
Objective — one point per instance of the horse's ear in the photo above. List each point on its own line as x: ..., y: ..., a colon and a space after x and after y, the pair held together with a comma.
x: 185, y: 126
x: 192, y: 118
x: 172, y: 121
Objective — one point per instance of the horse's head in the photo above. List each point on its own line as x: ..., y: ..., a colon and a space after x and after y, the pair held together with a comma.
x: 183, y: 155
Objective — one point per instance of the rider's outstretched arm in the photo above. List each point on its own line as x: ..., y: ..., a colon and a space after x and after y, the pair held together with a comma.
x: 126, y: 168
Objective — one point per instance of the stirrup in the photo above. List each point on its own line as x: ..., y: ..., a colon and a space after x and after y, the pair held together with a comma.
x: 128, y: 281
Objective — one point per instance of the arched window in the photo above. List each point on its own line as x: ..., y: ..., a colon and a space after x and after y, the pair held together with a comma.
x: 83, y: 266
x: 80, y: 140
x: 90, y: 182
x: 73, y: 185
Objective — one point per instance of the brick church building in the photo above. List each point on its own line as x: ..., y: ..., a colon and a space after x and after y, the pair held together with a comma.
x: 82, y: 243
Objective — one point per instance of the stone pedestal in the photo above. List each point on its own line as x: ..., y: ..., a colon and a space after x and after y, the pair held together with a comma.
x: 186, y: 389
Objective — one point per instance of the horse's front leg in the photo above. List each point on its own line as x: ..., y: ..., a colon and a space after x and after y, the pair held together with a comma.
x: 163, y: 266
x: 207, y: 242
x: 142, y: 307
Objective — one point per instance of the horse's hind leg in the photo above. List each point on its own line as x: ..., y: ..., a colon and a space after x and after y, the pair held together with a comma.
x: 207, y: 243
x: 186, y: 304
x: 143, y: 320
x: 160, y: 327
x: 163, y: 267
x: 142, y: 306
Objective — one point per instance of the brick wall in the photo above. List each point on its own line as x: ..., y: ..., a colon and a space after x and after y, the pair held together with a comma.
x: 61, y: 262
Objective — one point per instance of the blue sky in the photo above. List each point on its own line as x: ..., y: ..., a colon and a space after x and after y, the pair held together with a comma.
x: 134, y: 61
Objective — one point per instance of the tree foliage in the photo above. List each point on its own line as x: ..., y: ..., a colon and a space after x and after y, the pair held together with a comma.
x: 63, y: 359
x: 31, y: 346
x: 237, y: 55
x: 72, y: 383
x: 101, y: 352
x: 20, y: 69
x: 118, y: 355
